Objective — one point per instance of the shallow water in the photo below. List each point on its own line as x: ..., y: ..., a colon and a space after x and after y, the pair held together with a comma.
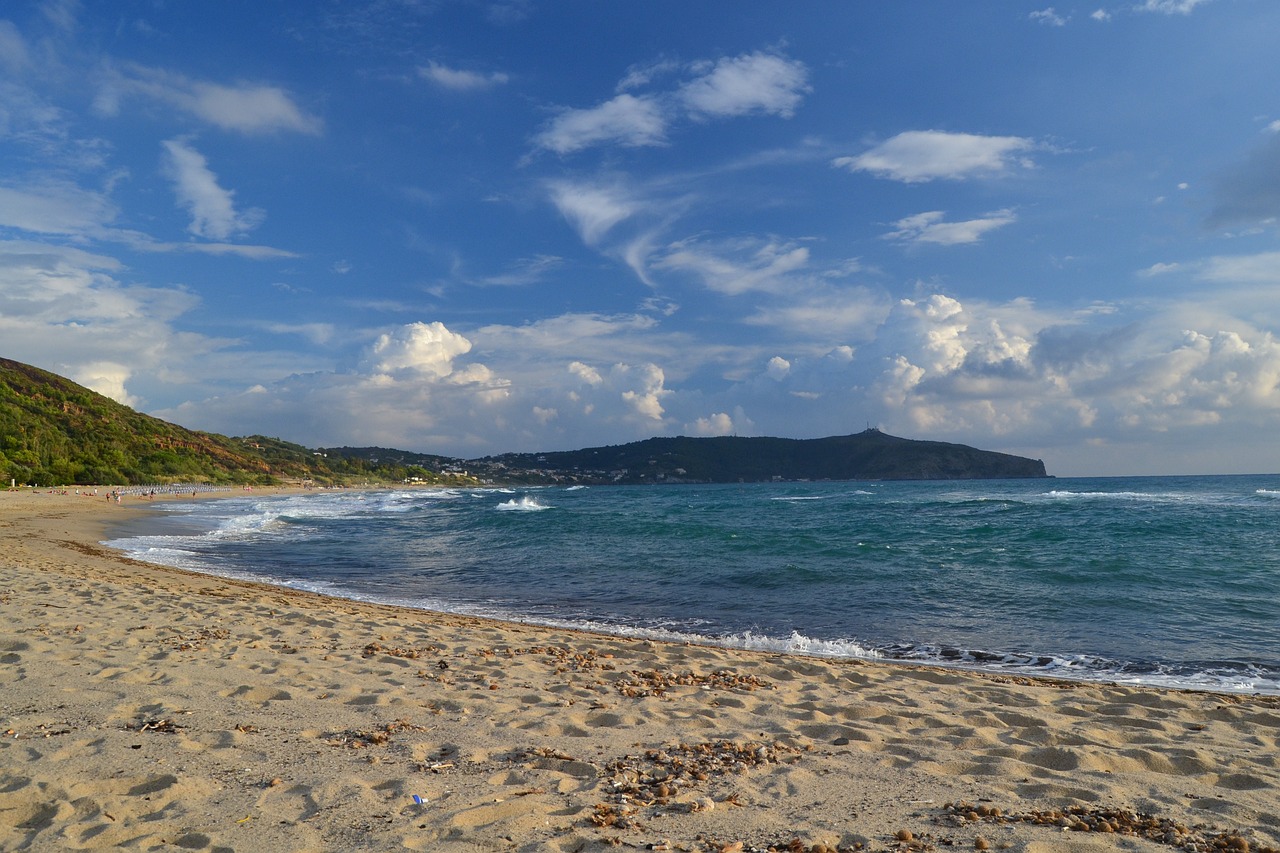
x: 1168, y: 581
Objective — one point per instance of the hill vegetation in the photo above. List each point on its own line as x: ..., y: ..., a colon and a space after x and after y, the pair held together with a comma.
x: 55, y: 432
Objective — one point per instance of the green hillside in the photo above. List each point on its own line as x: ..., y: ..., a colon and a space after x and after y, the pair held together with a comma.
x: 55, y: 432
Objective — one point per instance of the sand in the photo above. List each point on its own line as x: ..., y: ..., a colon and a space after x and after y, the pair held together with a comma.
x: 152, y: 709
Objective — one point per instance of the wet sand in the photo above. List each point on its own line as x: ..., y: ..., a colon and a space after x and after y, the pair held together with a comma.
x: 148, y: 708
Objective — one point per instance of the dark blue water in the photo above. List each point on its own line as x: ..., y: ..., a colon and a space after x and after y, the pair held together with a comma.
x: 1169, y: 581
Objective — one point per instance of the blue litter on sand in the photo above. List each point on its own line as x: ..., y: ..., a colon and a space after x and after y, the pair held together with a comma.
x: 418, y: 800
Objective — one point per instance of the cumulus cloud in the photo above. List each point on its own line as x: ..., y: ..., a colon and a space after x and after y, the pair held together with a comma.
x: 244, y: 108
x: 917, y: 156
x: 717, y: 424
x: 212, y: 208
x: 751, y: 83
x: 108, y: 378
x: 645, y: 399
x: 931, y: 227
x: 459, y: 80
x: 420, y: 348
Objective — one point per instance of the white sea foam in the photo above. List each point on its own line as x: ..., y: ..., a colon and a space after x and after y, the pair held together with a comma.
x: 525, y: 503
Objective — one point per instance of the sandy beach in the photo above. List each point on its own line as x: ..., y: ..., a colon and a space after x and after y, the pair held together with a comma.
x: 152, y: 709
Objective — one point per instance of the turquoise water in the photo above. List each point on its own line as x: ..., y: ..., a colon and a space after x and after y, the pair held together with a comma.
x: 1164, y: 581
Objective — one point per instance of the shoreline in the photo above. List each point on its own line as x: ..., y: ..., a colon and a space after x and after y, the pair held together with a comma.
x: 144, y: 705
x: 1042, y: 664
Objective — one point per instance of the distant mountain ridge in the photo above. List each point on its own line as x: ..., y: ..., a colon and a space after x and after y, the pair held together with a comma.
x: 868, y: 455
x: 56, y: 432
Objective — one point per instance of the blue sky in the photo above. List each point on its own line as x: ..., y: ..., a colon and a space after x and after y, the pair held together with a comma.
x: 474, y: 227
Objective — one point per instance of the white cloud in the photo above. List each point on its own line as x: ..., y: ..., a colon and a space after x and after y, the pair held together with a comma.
x: 1159, y: 269
x: 645, y: 399
x: 917, y: 156
x: 525, y: 271
x: 1048, y: 16
x: 1100, y: 15
x: 718, y: 424
x: 751, y: 83
x: 63, y: 310
x: 592, y: 210
x: 737, y: 267
x: 13, y: 48
x: 778, y: 368
x: 212, y: 208
x: 1170, y: 7
x: 246, y: 108
x: 930, y: 227
x: 626, y: 120
x: 458, y: 80
x: 55, y: 207
x: 420, y: 348
x: 108, y: 378
x: 824, y: 314
x: 585, y: 372
x: 317, y: 333
x: 640, y: 75
x: 1262, y: 268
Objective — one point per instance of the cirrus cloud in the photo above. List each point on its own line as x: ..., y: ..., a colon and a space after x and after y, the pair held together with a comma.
x: 245, y: 107
x: 931, y: 227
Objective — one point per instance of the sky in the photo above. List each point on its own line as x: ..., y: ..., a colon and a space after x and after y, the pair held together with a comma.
x: 468, y: 227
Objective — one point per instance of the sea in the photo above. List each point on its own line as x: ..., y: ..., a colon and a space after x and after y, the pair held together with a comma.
x: 1160, y: 581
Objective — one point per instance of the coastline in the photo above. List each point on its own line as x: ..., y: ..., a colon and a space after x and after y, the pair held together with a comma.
x: 145, y: 706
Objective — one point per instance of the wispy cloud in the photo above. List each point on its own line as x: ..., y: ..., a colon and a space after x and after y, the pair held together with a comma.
x: 1170, y: 7
x: 932, y: 227
x: 245, y: 108
x: 737, y: 267
x: 54, y: 207
x: 626, y: 120
x: 459, y: 80
x: 750, y: 84
x: 592, y: 209
x: 1049, y: 17
x: 917, y: 156
x: 525, y: 271
x: 212, y: 208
